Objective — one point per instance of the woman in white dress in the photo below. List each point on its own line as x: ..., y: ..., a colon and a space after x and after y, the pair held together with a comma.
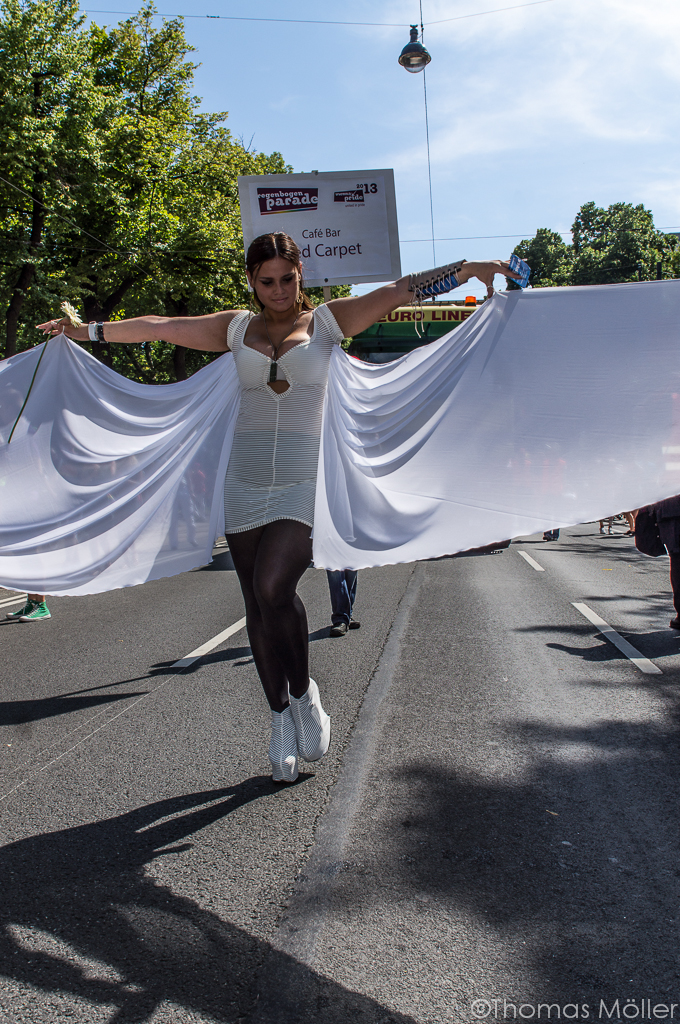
x: 282, y: 356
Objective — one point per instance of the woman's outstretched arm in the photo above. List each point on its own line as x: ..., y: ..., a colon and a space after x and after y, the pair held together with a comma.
x: 357, y: 313
x: 204, y: 333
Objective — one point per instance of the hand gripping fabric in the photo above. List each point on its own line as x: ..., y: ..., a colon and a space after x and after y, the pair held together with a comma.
x: 312, y: 724
x: 520, y: 267
x: 434, y: 282
x: 283, y: 747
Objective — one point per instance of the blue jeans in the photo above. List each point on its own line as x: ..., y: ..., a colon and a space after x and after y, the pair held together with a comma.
x: 342, y: 584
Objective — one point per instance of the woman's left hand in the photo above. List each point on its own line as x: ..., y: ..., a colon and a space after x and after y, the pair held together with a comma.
x: 485, y: 271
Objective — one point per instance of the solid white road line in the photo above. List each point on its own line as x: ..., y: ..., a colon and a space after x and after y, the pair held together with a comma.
x: 17, y: 599
x: 532, y: 561
x: 644, y: 664
x: 210, y: 645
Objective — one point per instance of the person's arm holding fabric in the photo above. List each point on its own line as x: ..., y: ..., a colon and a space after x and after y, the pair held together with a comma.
x: 354, y: 314
x: 357, y: 313
x: 204, y: 333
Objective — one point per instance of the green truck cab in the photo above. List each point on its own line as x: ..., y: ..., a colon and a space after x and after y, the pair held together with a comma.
x: 409, y: 327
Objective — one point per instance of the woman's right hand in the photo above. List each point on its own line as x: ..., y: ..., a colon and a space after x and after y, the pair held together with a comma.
x: 53, y: 327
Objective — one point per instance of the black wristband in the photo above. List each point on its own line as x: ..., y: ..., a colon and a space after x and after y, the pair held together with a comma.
x: 99, y: 330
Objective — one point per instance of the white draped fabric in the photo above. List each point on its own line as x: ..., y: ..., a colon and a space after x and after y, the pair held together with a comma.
x: 108, y: 483
x: 546, y: 408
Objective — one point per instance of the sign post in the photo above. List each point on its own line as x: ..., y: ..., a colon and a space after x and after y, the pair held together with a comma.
x: 344, y: 222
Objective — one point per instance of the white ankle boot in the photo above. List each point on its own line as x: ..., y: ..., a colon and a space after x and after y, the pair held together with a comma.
x: 312, y: 724
x: 283, y: 749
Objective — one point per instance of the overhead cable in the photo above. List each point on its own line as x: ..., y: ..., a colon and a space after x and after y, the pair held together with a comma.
x: 427, y: 139
x: 318, y: 21
x: 517, y: 234
x: 464, y: 238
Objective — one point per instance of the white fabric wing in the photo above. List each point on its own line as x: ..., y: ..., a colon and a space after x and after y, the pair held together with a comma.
x: 547, y: 408
x: 107, y: 482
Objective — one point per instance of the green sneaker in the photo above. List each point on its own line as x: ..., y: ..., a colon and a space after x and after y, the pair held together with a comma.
x: 38, y: 610
x: 22, y: 611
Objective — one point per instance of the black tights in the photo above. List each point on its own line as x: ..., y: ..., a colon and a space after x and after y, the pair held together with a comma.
x: 269, y: 562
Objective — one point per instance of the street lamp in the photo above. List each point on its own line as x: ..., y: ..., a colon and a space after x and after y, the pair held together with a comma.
x: 414, y: 57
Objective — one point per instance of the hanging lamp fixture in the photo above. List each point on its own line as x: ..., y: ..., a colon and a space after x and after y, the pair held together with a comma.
x: 414, y: 57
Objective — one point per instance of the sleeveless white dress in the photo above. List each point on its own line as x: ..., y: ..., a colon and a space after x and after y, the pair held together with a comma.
x: 274, y: 457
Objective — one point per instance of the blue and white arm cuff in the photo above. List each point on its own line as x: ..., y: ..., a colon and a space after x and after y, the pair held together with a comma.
x: 436, y: 281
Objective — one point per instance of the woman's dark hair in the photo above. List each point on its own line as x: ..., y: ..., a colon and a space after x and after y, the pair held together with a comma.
x: 268, y: 247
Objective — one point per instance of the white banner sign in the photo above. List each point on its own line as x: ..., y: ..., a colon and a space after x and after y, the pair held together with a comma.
x: 345, y: 222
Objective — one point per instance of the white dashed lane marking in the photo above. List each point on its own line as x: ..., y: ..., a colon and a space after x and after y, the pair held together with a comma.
x: 210, y: 645
x: 532, y: 561
x: 644, y: 664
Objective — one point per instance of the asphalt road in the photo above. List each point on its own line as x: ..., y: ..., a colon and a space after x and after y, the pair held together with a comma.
x: 496, y: 820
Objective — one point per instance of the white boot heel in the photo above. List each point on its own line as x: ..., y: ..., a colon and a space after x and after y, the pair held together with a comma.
x: 312, y: 724
x: 283, y: 749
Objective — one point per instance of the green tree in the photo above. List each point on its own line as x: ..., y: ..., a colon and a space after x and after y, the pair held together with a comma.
x: 618, y: 244
x: 167, y: 206
x: 47, y: 111
x: 610, y: 245
x: 549, y: 257
x: 138, y: 206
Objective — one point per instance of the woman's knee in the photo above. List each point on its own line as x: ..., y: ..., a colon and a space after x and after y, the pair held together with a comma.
x: 273, y: 594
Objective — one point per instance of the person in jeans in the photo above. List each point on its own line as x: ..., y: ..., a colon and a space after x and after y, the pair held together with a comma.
x: 342, y: 584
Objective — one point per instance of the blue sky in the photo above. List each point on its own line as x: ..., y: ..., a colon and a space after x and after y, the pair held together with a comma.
x: 533, y: 111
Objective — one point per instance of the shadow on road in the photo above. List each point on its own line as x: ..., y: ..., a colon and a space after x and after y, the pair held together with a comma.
x: 652, y: 643
x: 238, y: 655
x: 601, y: 651
x: 19, y: 712
x: 222, y: 562
x: 660, y: 603
x: 573, y: 864
x: 82, y: 921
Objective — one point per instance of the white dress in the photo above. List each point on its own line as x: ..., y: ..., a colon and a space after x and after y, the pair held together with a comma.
x: 275, y: 453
